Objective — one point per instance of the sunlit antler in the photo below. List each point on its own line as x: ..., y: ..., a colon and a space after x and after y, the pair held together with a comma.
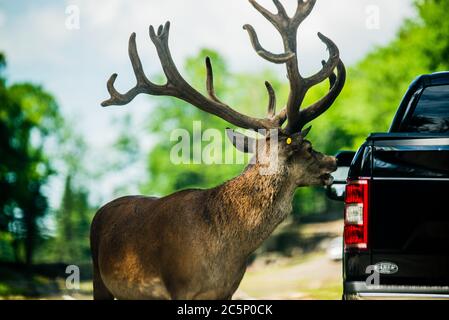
x: 299, y: 86
x: 178, y: 87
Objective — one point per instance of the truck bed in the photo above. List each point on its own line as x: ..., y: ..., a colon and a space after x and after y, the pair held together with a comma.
x: 408, y: 212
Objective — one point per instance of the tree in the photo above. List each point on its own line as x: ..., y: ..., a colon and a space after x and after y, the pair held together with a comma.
x: 68, y: 241
x: 29, y: 119
x: 71, y: 242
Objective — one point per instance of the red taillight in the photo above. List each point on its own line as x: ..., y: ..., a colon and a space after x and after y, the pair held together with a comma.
x: 356, y: 215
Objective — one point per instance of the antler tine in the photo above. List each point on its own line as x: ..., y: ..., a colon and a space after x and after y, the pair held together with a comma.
x: 282, y: 23
x: 299, y: 86
x: 337, y: 83
x: 178, y: 87
x: 288, y: 32
x: 281, y: 9
x: 181, y: 89
x: 135, y: 61
x: 329, y: 66
x: 267, y: 55
x: 266, y: 13
x: 302, y: 11
x: 271, y: 114
x: 116, y: 98
x: 210, y: 81
x: 332, y: 78
x: 143, y: 84
x: 271, y: 101
x: 160, y: 41
x: 281, y: 117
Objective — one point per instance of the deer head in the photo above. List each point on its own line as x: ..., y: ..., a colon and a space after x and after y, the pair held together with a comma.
x: 295, y: 155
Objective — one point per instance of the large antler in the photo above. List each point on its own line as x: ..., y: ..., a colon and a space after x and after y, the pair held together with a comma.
x: 177, y: 87
x: 299, y: 86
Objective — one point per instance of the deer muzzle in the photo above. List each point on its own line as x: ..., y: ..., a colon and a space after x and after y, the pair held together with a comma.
x: 329, y: 164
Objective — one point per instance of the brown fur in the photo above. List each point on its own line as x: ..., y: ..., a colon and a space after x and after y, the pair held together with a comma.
x: 194, y: 244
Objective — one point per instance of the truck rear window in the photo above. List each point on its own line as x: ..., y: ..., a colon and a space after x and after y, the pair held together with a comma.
x: 431, y: 113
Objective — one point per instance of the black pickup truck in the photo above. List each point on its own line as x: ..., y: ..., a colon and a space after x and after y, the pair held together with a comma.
x: 396, y: 193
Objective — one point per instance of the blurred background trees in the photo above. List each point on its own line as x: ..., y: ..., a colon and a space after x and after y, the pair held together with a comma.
x: 29, y: 119
x: 38, y: 143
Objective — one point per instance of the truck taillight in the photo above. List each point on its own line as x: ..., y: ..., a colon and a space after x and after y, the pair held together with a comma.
x: 356, y: 215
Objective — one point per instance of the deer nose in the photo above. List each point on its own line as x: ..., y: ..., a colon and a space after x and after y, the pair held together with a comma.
x: 332, y: 163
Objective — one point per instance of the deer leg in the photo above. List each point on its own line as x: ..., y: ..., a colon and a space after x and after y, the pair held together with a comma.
x: 100, y: 290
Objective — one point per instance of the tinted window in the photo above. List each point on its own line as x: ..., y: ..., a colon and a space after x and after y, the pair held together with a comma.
x: 432, y: 111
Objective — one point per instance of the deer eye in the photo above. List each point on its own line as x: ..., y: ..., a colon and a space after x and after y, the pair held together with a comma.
x: 309, y: 149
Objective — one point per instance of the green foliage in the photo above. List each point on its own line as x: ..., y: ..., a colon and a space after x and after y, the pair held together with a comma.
x: 71, y: 243
x: 35, y: 144
x: 126, y: 145
x: 432, y: 29
x: 28, y: 118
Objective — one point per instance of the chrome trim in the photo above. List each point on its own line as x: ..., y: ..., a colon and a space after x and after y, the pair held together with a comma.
x: 360, y: 286
x: 412, y: 148
x: 396, y: 296
x: 359, y: 290
x: 413, y: 142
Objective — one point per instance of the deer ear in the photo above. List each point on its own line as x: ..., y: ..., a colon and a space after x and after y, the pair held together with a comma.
x: 241, y: 142
x: 305, y: 132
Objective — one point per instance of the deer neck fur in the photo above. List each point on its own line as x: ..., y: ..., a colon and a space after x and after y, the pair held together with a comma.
x: 249, y: 207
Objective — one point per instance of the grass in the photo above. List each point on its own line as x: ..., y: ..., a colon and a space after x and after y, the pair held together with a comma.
x: 313, y: 276
x: 332, y: 291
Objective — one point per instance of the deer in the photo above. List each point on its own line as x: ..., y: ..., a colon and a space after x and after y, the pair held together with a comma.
x: 195, y: 243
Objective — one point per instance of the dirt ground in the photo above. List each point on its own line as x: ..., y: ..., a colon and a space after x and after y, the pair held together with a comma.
x: 312, y: 277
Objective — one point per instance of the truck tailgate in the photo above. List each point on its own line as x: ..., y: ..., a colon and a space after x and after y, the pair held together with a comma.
x: 409, y: 209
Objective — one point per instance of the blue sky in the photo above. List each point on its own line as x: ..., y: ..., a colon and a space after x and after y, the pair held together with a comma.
x: 75, y: 64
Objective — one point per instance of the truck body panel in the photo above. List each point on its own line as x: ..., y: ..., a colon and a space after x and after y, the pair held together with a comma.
x: 408, y: 221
